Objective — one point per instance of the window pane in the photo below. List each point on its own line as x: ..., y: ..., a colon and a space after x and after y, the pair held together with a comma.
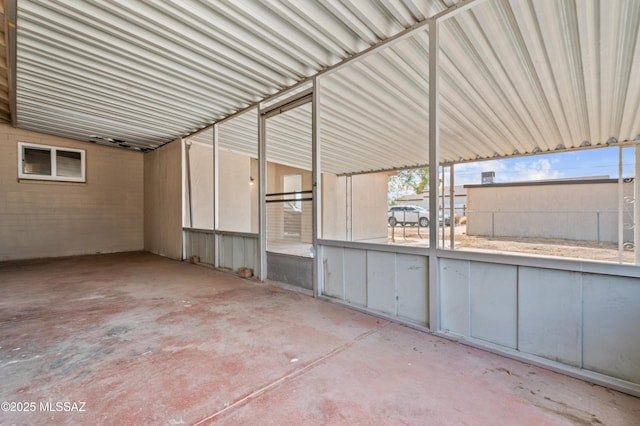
x: 69, y: 163
x: 36, y: 162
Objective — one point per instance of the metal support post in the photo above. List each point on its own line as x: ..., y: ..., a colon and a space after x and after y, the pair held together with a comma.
x: 452, y: 209
x: 434, y: 158
x: 262, y: 192
x: 216, y: 202
x: 620, y: 207
x: 442, y: 204
x: 317, y: 189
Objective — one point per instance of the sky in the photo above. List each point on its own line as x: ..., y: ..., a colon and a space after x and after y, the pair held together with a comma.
x: 573, y: 164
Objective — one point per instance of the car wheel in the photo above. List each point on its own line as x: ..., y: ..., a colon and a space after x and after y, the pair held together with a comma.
x: 393, y: 221
x: 423, y: 222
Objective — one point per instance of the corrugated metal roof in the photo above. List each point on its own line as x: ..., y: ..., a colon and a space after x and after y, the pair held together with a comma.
x: 517, y: 76
x: 6, y: 37
x: 147, y: 72
x: 523, y: 76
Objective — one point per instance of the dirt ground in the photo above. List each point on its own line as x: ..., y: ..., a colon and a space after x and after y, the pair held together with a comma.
x: 591, y: 250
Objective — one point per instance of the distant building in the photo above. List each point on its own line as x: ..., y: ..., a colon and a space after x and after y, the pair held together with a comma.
x: 575, y: 209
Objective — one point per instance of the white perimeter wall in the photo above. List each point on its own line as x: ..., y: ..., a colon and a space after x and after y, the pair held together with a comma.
x: 48, y: 219
x: 580, y: 211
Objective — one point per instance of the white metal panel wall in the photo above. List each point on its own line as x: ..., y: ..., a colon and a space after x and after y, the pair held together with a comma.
x: 411, y: 288
x: 494, y: 303
x: 454, y: 296
x: 550, y: 314
x: 356, y: 290
x: 236, y: 251
x: 387, y: 282
x: 583, y: 320
x: 381, y: 282
x: 200, y: 243
x: 611, y: 331
x: 334, y: 277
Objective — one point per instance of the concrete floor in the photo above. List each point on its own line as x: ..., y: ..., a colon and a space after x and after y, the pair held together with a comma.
x: 140, y: 339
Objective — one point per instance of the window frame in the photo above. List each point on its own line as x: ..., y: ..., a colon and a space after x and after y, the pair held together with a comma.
x: 54, y: 166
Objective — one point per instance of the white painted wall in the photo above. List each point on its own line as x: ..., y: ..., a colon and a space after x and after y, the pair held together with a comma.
x: 369, y: 203
x: 334, y: 207
x: 48, y: 219
x: 201, y: 168
x: 354, y: 208
x: 237, y: 212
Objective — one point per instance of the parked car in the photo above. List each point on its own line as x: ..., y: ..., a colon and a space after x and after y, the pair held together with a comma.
x: 408, y: 215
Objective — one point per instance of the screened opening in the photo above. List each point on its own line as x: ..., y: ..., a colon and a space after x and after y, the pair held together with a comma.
x: 539, y: 114
x: 289, y: 192
x: 373, y: 122
x: 577, y: 204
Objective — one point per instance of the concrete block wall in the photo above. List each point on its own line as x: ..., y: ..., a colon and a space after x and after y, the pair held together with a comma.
x: 50, y: 219
x: 163, y: 200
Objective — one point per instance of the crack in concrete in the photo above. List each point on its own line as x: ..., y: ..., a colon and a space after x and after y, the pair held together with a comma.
x: 259, y: 392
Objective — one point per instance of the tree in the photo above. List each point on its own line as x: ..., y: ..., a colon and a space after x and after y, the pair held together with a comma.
x: 408, y: 181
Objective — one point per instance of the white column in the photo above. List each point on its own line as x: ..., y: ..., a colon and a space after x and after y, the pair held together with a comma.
x: 452, y: 209
x: 262, y: 192
x: 216, y: 204
x: 434, y: 156
x: 316, y: 182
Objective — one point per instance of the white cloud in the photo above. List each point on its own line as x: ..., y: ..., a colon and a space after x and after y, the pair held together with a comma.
x: 506, y: 170
x: 540, y: 169
x: 471, y: 173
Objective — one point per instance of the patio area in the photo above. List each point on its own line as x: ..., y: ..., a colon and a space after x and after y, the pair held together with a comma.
x: 135, y: 338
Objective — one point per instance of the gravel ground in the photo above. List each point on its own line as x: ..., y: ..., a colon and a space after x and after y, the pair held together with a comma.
x: 590, y: 250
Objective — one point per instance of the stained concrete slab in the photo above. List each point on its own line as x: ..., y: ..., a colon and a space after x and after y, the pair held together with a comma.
x: 141, y: 339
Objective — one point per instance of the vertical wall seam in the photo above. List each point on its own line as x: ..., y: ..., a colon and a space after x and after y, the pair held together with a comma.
x: 518, y: 308
x: 581, y: 320
x: 470, y: 322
